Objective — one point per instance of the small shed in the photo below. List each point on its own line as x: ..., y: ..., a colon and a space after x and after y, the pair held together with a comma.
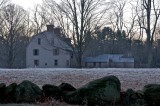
x: 108, y: 60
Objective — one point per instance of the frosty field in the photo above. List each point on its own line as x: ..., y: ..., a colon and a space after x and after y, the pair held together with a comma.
x: 129, y: 78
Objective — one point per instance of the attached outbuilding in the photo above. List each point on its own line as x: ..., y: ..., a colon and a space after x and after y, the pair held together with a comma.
x: 108, y: 60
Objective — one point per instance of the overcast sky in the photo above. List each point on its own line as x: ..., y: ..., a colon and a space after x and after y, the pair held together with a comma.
x: 27, y: 4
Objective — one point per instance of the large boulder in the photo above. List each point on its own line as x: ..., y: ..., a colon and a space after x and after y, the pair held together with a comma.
x: 101, y: 91
x: 9, y: 92
x: 65, y: 87
x: 2, y: 90
x: 133, y: 98
x: 51, y: 91
x: 27, y: 92
x: 152, y: 93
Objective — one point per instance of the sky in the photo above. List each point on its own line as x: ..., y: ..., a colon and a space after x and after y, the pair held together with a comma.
x: 27, y: 4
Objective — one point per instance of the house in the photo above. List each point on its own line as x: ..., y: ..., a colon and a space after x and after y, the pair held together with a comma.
x: 108, y: 60
x: 48, y: 50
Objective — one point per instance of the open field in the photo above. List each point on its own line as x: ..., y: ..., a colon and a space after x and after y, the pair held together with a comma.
x: 129, y: 78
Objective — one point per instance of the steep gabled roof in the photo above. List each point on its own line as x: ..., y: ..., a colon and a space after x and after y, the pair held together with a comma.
x: 48, y: 35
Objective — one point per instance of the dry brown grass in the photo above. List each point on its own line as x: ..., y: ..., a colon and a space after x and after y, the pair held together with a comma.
x: 129, y: 78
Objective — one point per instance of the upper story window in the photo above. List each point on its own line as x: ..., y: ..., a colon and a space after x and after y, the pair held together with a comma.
x: 39, y: 41
x: 35, y: 52
x: 56, y: 51
x: 71, y: 55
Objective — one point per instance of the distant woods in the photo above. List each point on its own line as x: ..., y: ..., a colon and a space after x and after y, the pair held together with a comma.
x: 94, y: 26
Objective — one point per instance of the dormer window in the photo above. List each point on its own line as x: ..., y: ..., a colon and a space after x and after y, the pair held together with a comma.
x: 39, y: 41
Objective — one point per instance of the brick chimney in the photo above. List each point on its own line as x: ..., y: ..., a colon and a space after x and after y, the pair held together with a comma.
x: 50, y: 27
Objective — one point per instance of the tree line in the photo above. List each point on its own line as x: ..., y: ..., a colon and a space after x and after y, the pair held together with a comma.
x: 129, y: 27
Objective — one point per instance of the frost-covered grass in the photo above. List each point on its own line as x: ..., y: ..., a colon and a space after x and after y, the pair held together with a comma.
x: 129, y: 77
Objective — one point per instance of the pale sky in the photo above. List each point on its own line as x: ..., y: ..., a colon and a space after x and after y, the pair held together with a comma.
x: 27, y: 4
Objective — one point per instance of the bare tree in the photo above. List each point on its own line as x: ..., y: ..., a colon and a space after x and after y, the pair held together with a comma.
x: 39, y: 19
x: 148, y: 21
x: 13, y: 32
x: 147, y: 4
x: 130, y: 25
x: 118, y: 23
x: 78, y: 17
x: 119, y: 7
x: 3, y: 3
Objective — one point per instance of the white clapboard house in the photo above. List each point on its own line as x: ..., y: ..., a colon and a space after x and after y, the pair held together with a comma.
x: 48, y: 50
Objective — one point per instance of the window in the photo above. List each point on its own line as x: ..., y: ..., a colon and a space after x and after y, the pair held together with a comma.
x: 67, y: 62
x: 45, y: 64
x: 86, y: 64
x: 56, y: 62
x: 36, y: 63
x: 39, y: 41
x: 55, y: 51
x: 35, y: 52
x: 110, y: 60
x: 71, y: 55
x: 94, y: 64
x: 100, y: 64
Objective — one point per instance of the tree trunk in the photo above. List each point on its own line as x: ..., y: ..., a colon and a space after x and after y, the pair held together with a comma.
x: 80, y: 61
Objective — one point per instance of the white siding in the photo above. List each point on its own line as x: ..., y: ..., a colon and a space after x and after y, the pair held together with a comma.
x: 46, y: 55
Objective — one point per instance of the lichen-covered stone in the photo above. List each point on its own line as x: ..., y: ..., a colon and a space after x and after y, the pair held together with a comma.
x: 133, y: 98
x: 51, y: 91
x: 152, y: 94
x: 65, y: 87
x: 2, y: 90
x: 101, y: 91
x: 27, y: 92
x: 9, y: 92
